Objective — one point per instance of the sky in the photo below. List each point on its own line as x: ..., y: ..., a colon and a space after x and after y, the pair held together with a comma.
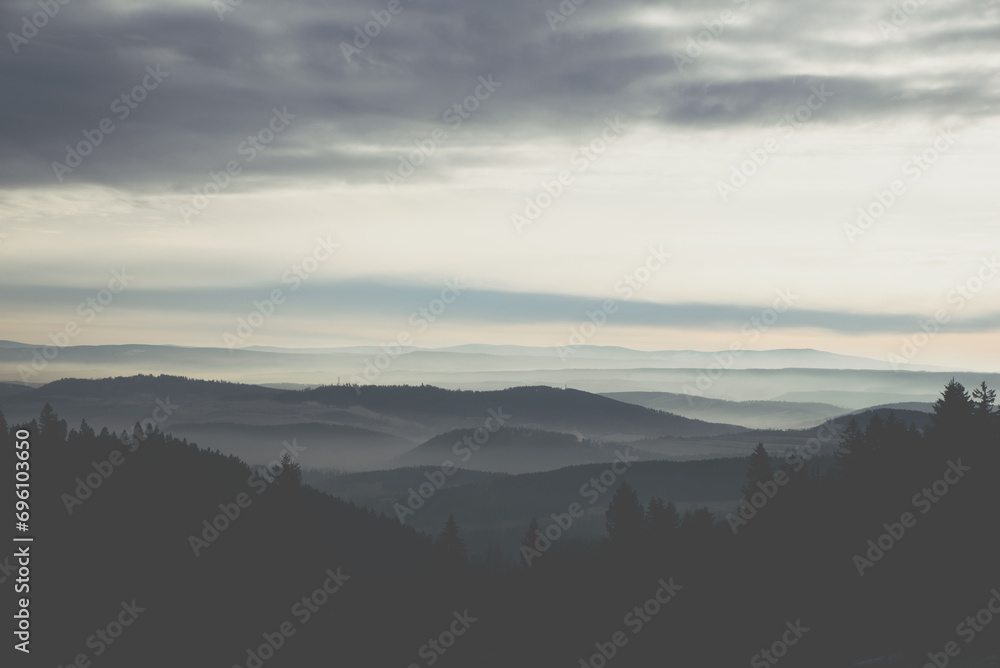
x: 685, y: 175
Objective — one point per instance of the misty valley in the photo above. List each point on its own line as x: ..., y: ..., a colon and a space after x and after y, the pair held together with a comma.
x: 413, y: 525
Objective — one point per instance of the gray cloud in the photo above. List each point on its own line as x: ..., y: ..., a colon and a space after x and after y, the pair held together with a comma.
x: 353, y: 118
x: 398, y: 300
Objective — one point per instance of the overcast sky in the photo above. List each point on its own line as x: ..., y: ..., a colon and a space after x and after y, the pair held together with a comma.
x: 366, y: 172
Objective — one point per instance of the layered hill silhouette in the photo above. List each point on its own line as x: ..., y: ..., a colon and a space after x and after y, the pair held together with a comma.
x: 495, y: 507
x: 540, y: 407
x: 750, y: 414
x: 186, y: 535
x: 800, y: 375
x: 210, y: 554
x: 325, y: 446
x: 777, y: 440
x: 356, y: 428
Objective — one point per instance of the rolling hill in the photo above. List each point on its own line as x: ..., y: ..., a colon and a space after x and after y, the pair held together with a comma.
x: 510, y: 450
x: 750, y: 414
x: 352, y: 428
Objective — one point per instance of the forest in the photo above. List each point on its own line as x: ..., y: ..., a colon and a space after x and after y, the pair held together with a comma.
x: 889, y: 557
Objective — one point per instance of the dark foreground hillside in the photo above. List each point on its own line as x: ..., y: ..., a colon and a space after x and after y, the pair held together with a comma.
x: 893, y: 553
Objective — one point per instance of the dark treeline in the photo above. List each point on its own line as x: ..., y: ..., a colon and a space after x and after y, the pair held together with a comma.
x: 887, y: 554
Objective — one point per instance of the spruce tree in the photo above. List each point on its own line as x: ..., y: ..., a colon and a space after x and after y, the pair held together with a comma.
x: 529, y: 553
x: 290, y: 473
x: 50, y: 427
x: 985, y: 401
x: 661, y: 524
x: 625, y: 517
x: 853, y: 454
x: 759, y: 472
x: 953, y: 414
x: 449, y: 550
x: 698, y: 523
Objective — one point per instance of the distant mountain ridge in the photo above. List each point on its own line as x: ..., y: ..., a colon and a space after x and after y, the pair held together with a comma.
x: 751, y: 414
x: 269, y: 364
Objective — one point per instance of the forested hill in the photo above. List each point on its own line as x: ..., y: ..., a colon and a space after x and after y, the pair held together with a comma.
x: 564, y: 410
x: 215, y: 552
x: 888, y: 553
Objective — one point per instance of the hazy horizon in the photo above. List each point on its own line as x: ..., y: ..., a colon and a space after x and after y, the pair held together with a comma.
x: 690, y: 162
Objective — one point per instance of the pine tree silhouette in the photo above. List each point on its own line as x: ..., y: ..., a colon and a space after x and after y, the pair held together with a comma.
x: 985, y: 400
x: 661, y: 525
x: 529, y: 553
x: 759, y: 471
x: 449, y: 550
x: 625, y: 518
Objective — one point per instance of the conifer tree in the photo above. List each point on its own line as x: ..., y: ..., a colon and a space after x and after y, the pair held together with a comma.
x: 449, y: 549
x: 661, y: 524
x: 985, y: 401
x: 952, y: 414
x: 625, y: 517
x: 698, y: 523
x: 528, y: 550
x: 290, y: 474
x: 50, y: 427
x: 759, y: 472
x: 853, y: 454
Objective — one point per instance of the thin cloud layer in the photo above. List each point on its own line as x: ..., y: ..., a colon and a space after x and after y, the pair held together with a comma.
x: 319, y: 302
